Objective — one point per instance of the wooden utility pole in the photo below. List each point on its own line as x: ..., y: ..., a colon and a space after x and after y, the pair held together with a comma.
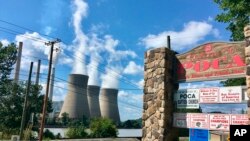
x: 25, y: 102
x: 47, y: 88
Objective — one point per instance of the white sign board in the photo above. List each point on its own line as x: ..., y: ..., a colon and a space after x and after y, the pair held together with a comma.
x: 239, y: 119
x: 230, y: 95
x: 199, y: 121
x: 209, y: 121
x: 209, y: 95
x: 187, y: 98
x: 219, y: 121
x: 181, y: 120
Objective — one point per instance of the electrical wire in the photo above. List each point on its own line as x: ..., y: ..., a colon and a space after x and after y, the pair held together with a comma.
x: 125, y: 79
x: 96, y: 98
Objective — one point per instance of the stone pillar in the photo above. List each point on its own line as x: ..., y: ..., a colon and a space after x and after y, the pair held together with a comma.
x: 158, y: 95
x: 247, y: 60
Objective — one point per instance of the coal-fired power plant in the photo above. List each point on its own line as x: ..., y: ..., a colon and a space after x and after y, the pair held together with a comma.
x: 93, y: 100
x: 108, y: 104
x: 89, y: 101
x: 76, y: 102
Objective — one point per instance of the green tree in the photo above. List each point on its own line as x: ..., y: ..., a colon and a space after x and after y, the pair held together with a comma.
x: 8, y: 56
x: 77, y: 132
x: 103, y: 127
x: 236, y: 13
x: 48, y: 134
x: 131, y: 124
x: 12, y: 94
x: 65, y: 118
x: 11, y: 106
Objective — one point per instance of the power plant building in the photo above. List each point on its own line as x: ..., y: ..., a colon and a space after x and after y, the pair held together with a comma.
x: 109, y: 105
x: 76, y: 102
x: 93, y: 100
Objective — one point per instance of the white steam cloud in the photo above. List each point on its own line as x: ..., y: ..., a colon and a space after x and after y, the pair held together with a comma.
x: 113, y: 71
x: 80, y: 41
x: 95, y: 48
x: 111, y: 77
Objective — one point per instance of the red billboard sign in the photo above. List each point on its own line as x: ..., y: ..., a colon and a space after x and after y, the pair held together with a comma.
x: 211, y: 61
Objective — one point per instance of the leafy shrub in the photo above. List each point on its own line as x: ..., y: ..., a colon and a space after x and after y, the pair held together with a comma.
x: 76, y: 132
x: 103, y: 127
x: 48, y: 134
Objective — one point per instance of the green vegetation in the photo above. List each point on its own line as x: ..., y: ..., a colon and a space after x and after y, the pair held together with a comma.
x: 131, y: 124
x: 65, y: 118
x: 77, y: 132
x: 12, y: 96
x: 48, y: 134
x: 102, y: 128
x: 236, y: 13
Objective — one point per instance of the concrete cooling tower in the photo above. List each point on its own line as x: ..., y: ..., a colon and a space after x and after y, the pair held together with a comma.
x: 93, y: 99
x: 76, y: 102
x: 108, y: 104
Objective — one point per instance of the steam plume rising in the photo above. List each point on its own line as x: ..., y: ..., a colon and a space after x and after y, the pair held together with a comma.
x: 80, y: 40
x: 93, y: 72
x: 111, y: 78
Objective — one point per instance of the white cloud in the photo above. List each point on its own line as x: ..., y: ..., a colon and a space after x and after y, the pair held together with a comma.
x: 131, y: 104
x: 140, y: 84
x: 110, y: 79
x: 48, y: 30
x: 60, y: 91
x: 133, y: 68
x: 32, y: 50
x: 200, y: 84
x: 210, y: 19
x: 5, y: 42
x: 191, y: 34
x: 99, y: 28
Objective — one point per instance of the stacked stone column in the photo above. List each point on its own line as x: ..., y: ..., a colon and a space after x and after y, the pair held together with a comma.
x: 158, y: 95
x: 247, y: 60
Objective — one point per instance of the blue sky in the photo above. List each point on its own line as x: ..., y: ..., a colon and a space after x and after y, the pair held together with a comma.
x: 110, y: 34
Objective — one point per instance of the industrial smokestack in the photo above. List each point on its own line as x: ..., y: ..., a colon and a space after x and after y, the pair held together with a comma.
x: 51, y: 86
x: 18, y: 62
x: 93, y: 99
x: 108, y: 104
x: 76, y: 102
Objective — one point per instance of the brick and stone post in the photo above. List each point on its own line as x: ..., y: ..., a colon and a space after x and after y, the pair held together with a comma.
x: 159, y: 87
x: 247, y: 60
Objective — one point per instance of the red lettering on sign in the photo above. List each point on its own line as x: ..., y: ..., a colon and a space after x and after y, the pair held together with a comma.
x: 204, y: 65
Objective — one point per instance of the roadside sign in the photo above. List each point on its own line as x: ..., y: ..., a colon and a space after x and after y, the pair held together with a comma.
x: 198, y: 135
x: 209, y: 95
x: 239, y: 119
x: 181, y: 120
x: 219, y: 121
x: 199, y: 121
x: 187, y: 98
x: 230, y: 95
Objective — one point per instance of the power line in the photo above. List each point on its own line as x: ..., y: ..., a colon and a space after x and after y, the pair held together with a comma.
x: 122, y: 102
x: 25, y: 28
x: 125, y: 79
x: 27, y: 37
